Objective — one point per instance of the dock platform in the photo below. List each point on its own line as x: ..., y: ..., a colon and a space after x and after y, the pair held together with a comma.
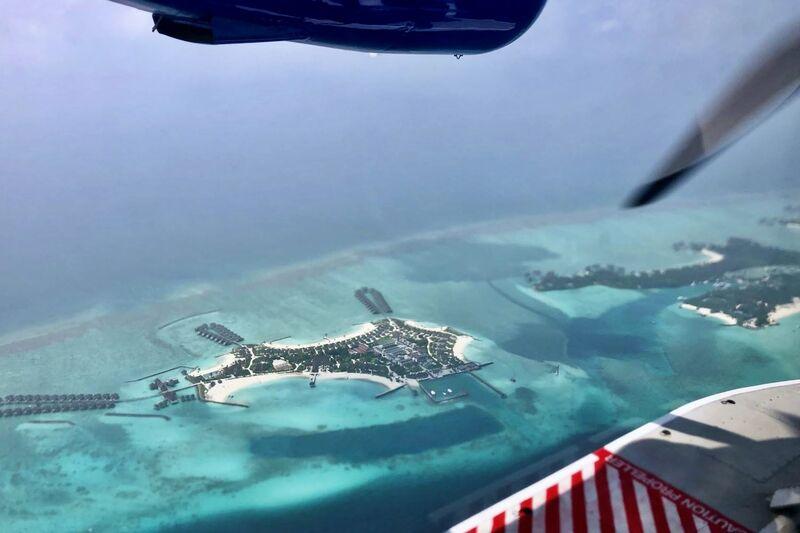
x: 444, y: 398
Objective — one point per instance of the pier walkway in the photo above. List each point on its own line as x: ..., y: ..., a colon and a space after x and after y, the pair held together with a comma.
x: 234, y: 404
x: 489, y: 385
x: 151, y: 396
x: 388, y: 392
x: 137, y: 415
x: 159, y: 373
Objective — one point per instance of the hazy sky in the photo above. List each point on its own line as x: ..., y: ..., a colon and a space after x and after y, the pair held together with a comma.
x: 593, y: 94
x: 111, y: 134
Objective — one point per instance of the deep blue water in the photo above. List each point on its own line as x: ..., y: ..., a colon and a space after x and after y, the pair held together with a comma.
x: 417, y: 435
x: 410, y: 504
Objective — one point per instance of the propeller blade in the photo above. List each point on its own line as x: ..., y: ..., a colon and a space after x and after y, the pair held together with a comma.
x: 761, y: 91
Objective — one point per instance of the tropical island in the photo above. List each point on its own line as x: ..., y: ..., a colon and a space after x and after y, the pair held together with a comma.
x: 391, y: 352
x: 787, y: 222
x: 749, y: 284
x: 751, y: 302
x: 790, y: 221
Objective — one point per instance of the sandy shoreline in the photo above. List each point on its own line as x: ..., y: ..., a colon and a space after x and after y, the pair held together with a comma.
x: 781, y: 311
x: 226, y: 390
x: 784, y: 310
x: 462, y: 341
x: 361, y: 330
x: 705, y: 311
x: 380, y: 380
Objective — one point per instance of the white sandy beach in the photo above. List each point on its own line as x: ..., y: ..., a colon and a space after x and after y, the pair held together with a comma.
x: 415, y: 324
x: 785, y: 310
x: 222, y: 362
x: 380, y: 380
x: 230, y: 358
x: 226, y: 390
x: 705, y: 311
x: 361, y: 330
x: 461, y: 340
x: 221, y: 392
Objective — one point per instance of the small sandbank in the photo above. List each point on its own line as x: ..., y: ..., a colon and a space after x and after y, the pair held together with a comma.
x: 712, y: 256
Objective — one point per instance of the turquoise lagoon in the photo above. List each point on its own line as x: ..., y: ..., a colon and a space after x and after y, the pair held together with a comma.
x: 334, y: 458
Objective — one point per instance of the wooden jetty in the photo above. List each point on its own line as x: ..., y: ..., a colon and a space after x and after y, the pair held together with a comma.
x: 226, y: 403
x: 388, y: 392
x: 187, y: 317
x: 151, y: 396
x: 65, y: 422
x: 492, y: 387
x: 138, y: 415
x: 159, y: 373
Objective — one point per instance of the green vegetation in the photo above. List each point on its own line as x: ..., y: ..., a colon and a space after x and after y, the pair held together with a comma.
x: 751, y: 301
x: 392, y: 349
x: 738, y: 254
x: 748, y: 300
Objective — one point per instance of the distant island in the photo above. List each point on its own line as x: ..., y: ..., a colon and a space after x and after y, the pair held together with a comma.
x: 391, y: 352
x: 751, y: 302
x: 792, y: 221
x: 750, y: 284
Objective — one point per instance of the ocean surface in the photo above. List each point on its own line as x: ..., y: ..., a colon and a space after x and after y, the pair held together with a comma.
x: 578, y: 368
